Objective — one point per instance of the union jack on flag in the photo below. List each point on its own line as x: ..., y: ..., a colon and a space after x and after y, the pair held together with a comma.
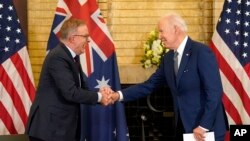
x: 17, y: 89
x: 231, y: 44
x: 100, y: 38
x: 98, y: 123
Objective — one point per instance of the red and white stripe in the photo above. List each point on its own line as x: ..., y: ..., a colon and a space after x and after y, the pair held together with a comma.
x: 235, y: 80
x: 17, y: 91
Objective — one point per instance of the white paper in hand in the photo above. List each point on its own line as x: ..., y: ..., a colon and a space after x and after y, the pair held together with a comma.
x: 190, y: 137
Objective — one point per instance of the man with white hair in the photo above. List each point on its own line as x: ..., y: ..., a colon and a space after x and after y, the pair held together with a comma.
x: 191, y: 72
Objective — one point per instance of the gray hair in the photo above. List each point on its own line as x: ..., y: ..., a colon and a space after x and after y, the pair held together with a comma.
x: 176, y: 19
x: 70, y: 26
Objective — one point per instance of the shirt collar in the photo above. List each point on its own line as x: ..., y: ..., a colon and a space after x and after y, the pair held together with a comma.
x: 180, y: 49
x: 73, y: 54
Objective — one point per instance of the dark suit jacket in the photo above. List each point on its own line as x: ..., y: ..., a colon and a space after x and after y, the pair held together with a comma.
x: 196, y: 90
x: 54, y: 114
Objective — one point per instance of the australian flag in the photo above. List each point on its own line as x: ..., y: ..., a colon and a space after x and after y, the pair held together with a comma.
x: 98, y: 123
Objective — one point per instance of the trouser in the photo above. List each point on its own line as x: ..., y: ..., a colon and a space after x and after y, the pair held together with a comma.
x: 179, y: 130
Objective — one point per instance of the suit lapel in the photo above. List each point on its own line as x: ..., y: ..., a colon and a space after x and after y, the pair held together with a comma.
x: 170, y: 68
x: 75, y: 69
x: 184, y: 60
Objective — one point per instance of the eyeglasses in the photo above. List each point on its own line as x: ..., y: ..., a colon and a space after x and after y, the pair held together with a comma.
x: 84, y: 36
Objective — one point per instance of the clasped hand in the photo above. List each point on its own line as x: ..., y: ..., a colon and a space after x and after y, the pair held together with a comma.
x: 108, y: 96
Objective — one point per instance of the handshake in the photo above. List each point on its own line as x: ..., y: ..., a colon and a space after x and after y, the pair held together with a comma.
x: 108, y: 96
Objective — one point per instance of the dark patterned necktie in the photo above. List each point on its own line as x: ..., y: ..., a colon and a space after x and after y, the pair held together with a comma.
x: 176, y: 62
x: 78, y: 65
x: 77, y: 62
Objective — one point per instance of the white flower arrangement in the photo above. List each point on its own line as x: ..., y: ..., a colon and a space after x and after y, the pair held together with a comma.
x: 153, y: 51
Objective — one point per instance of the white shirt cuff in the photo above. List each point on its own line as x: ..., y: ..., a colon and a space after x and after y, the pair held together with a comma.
x: 120, y: 95
x: 204, y: 128
x: 99, y: 97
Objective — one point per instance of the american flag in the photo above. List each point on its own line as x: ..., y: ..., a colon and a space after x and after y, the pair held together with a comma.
x: 17, y: 88
x: 99, y: 65
x: 231, y: 44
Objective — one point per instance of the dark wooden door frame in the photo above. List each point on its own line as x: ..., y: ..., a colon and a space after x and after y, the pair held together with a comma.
x: 21, y: 8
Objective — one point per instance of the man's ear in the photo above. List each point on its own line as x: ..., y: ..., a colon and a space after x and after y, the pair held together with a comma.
x: 71, y: 39
x: 176, y: 29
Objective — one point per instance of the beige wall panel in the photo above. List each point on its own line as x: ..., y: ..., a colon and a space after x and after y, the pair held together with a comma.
x: 37, y: 60
x: 41, y: 22
x: 128, y: 60
x: 133, y: 28
x: 38, y: 45
x: 42, y: 6
x: 127, y: 36
x: 128, y: 44
x: 39, y: 14
x: 102, y: 1
x: 152, y: 13
x: 130, y: 52
x: 41, y: 1
x: 36, y: 68
x: 118, y: 21
x: 154, y: 0
x: 38, y: 37
x: 155, y: 5
x: 37, y: 53
x: 103, y: 6
x: 39, y: 29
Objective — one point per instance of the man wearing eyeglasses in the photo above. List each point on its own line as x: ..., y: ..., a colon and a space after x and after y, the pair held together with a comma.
x: 54, y: 114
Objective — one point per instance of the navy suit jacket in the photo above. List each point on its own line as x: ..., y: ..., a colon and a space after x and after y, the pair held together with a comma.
x: 196, y: 90
x: 54, y: 114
